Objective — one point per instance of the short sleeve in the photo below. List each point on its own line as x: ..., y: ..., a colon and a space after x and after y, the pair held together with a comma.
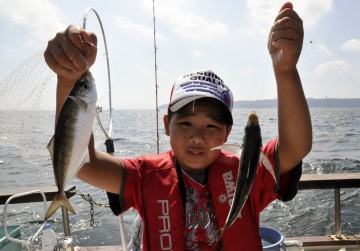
x: 130, y: 190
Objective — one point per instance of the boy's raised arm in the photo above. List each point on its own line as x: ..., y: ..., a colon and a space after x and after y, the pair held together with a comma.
x: 294, y: 122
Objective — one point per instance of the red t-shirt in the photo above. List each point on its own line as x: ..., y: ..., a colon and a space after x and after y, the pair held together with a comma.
x: 201, y: 229
x: 151, y: 186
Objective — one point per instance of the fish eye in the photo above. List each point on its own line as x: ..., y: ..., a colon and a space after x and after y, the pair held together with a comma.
x: 85, y: 86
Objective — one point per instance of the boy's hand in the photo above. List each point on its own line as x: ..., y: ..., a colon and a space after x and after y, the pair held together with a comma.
x: 71, y: 52
x: 286, y: 39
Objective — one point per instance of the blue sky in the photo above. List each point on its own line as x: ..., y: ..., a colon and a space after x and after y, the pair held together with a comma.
x: 228, y: 37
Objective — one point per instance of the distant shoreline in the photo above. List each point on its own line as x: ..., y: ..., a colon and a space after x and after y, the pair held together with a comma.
x: 312, y: 102
x: 322, y: 103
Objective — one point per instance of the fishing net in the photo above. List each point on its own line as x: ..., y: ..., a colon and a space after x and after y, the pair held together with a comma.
x: 29, y: 87
x: 27, y: 104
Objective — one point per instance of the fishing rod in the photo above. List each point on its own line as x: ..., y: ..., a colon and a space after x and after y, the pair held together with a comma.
x: 107, y: 134
x: 156, y: 85
x: 109, y: 142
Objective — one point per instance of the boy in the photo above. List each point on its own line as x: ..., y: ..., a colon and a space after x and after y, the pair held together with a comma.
x: 184, y: 195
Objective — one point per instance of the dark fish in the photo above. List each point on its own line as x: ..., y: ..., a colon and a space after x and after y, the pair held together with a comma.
x: 249, y: 162
x: 69, y: 145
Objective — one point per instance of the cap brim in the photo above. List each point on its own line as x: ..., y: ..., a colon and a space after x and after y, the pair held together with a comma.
x: 181, y: 103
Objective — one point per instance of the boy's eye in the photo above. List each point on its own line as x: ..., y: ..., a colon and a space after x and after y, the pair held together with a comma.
x: 213, y: 126
x: 186, y: 123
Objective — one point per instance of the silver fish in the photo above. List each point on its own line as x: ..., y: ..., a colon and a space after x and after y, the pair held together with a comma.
x: 69, y: 145
x: 249, y: 162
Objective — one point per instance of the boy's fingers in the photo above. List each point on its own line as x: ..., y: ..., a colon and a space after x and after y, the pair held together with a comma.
x: 288, y: 11
x: 288, y: 25
x: 74, y: 35
x: 55, y: 56
x: 80, y: 52
x: 287, y: 5
x: 57, y: 66
x: 85, y: 42
x: 90, y: 40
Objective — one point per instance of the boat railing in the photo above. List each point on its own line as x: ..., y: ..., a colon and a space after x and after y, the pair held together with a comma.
x: 48, y: 191
x: 334, y: 181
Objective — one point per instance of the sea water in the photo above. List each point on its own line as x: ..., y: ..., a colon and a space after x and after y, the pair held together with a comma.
x: 25, y: 162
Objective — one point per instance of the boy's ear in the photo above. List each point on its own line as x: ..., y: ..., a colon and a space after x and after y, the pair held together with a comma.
x: 228, y: 130
x: 166, y: 124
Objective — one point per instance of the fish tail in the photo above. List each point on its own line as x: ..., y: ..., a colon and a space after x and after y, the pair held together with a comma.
x: 222, y: 230
x: 228, y: 224
x: 60, y: 200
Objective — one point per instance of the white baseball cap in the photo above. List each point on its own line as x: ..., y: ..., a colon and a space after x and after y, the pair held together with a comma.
x: 201, y: 84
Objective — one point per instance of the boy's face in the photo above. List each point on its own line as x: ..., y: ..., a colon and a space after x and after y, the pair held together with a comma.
x: 195, y: 130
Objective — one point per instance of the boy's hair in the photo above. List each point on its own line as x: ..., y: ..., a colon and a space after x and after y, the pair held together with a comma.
x: 201, y: 84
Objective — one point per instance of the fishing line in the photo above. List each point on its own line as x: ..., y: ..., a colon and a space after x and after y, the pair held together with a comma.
x: 326, y: 53
x: 333, y: 61
x: 109, y: 142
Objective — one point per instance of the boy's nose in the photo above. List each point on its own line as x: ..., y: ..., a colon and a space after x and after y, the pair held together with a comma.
x: 197, y: 136
x: 197, y: 140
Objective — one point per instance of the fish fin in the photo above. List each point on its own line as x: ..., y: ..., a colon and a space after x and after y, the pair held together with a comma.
x: 231, y: 148
x: 50, y: 147
x: 216, y: 148
x: 80, y: 103
x: 60, y: 200
x: 267, y: 163
x: 239, y: 216
x: 86, y: 158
